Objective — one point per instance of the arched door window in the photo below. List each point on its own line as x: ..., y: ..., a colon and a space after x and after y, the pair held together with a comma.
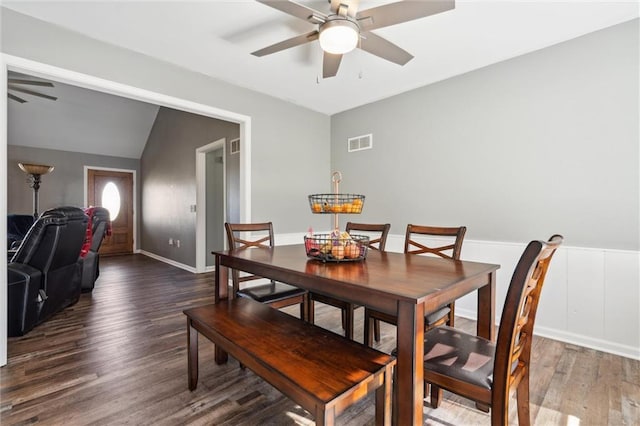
x: 111, y: 200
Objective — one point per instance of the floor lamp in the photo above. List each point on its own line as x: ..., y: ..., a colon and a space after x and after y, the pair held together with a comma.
x: 35, y: 171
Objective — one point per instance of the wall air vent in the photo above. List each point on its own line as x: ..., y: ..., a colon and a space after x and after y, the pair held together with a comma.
x: 360, y: 142
x: 235, y: 146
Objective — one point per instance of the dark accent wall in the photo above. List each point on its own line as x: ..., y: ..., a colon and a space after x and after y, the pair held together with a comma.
x: 168, y: 179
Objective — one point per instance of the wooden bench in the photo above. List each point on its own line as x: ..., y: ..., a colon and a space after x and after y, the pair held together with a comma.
x: 321, y: 371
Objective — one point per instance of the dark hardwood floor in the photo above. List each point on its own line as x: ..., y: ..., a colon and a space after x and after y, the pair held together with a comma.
x: 119, y: 357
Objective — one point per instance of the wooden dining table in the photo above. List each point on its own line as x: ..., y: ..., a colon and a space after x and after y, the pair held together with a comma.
x: 407, y: 286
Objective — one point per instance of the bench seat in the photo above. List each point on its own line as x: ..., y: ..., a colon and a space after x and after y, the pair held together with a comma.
x: 319, y: 370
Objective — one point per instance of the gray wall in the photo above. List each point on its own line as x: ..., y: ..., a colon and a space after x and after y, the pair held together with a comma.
x: 62, y: 187
x: 543, y: 143
x: 169, y: 180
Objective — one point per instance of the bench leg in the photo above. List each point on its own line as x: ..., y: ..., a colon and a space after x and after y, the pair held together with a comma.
x: 221, y: 356
x: 311, y: 310
x: 325, y: 416
x: 348, y: 322
x: 383, y: 399
x: 192, y: 355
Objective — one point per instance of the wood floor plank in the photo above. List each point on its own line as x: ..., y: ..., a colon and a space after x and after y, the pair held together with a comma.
x: 118, y: 357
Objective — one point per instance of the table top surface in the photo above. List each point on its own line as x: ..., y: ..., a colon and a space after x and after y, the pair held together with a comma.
x: 391, y: 275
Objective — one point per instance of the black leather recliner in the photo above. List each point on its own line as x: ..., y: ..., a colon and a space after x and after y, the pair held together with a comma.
x: 43, y: 274
x: 99, y: 226
x: 17, y: 227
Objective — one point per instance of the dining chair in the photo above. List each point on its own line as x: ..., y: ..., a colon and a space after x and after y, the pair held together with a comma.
x: 243, y: 236
x: 481, y: 370
x: 414, y: 243
x: 378, y: 239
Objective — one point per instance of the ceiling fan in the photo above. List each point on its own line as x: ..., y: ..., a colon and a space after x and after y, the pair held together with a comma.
x: 16, y: 85
x: 346, y: 28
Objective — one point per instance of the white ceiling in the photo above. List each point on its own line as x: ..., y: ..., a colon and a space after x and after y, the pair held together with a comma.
x: 216, y: 37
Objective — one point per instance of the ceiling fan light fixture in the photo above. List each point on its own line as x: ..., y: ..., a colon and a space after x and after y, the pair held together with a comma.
x: 339, y: 36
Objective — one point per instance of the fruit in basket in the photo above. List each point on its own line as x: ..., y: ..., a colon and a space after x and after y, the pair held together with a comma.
x: 347, y: 208
x: 316, y: 208
x: 325, y: 248
x: 337, y: 208
x: 357, y: 205
x: 351, y: 251
x: 326, y: 207
x: 338, y: 252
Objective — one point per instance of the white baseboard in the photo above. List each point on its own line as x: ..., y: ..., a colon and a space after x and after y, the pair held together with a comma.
x: 168, y: 261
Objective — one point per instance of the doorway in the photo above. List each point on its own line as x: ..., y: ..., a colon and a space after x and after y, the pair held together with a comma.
x: 42, y: 70
x: 211, y: 202
x: 114, y: 190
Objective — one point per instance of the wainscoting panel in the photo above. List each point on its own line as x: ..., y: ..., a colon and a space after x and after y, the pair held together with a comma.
x: 591, y: 296
x: 552, y: 309
x: 622, y: 297
x: 585, y: 280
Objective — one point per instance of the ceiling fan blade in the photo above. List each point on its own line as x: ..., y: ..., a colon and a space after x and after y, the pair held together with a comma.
x: 15, y: 98
x: 292, y: 42
x: 31, y: 92
x: 30, y: 82
x: 383, y: 48
x: 295, y: 9
x: 352, y: 9
x: 330, y: 64
x: 403, y: 11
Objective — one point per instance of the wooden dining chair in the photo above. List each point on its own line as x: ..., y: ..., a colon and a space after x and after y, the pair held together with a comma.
x: 451, y: 249
x: 484, y: 371
x: 243, y: 236
x: 378, y: 239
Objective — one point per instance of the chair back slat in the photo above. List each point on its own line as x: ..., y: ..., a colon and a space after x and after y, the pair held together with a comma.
x: 513, y: 347
x: 377, y: 242
x: 411, y: 246
x: 242, y: 236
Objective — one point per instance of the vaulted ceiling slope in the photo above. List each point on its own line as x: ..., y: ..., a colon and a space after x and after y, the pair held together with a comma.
x: 79, y: 120
x: 216, y: 38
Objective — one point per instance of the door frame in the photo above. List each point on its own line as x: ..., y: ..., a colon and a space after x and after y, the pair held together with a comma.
x: 87, y: 81
x: 201, y: 198
x: 135, y: 247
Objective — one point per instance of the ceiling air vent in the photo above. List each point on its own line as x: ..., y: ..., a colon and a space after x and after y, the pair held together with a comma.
x: 360, y: 142
x: 235, y: 146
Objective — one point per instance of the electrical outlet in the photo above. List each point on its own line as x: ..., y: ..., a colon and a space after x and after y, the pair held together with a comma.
x: 178, y: 243
x: 170, y: 241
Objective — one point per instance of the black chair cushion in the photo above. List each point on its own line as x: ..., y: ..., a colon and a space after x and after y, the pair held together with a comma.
x: 437, y: 315
x: 462, y: 356
x: 271, y: 292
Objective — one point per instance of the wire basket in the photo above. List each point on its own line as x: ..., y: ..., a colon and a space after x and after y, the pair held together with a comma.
x: 336, y: 247
x: 336, y: 203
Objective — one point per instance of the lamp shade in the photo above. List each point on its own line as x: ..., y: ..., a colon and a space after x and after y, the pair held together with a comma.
x: 339, y: 36
x: 35, y: 169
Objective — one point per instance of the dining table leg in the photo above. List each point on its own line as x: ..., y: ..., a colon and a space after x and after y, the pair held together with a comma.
x: 220, y: 295
x: 485, y: 325
x: 487, y: 309
x: 409, y: 388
